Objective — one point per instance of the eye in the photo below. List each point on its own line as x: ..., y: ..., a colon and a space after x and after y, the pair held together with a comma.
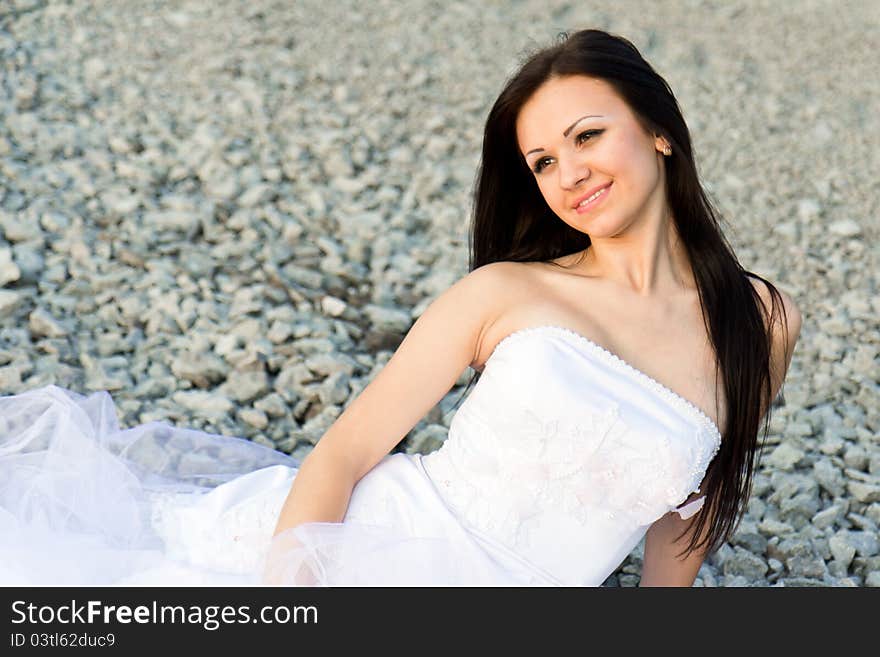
x: 539, y: 165
x: 586, y: 134
x: 580, y: 139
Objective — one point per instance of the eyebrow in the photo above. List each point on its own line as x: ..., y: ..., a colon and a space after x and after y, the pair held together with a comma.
x: 568, y: 130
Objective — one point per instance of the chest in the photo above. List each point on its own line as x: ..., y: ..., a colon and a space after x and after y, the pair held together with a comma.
x: 667, y: 342
x: 676, y: 353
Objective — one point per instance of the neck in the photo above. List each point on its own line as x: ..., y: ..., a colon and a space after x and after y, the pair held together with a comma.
x: 648, y: 259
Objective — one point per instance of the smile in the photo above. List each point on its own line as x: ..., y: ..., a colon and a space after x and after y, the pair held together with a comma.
x: 592, y: 200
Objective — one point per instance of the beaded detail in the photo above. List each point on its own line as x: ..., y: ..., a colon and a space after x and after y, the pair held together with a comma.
x: 672, y: 397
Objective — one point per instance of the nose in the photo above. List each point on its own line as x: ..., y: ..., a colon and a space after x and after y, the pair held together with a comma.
x: 572, y: 172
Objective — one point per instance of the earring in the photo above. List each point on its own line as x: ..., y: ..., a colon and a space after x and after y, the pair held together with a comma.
x: 667, y: 149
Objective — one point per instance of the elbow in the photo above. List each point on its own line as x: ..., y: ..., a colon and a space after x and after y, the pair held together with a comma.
x: 667, y: 560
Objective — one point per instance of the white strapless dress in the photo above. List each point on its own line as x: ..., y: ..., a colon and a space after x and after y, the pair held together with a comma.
x: 555, y: 466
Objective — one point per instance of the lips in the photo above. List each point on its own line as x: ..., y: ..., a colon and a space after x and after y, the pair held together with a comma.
x: 589, y: 194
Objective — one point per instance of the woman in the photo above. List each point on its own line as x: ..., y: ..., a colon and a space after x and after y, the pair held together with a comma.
x: 626, y: 360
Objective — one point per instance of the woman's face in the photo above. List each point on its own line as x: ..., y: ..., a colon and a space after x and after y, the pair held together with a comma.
x: 579, y: 137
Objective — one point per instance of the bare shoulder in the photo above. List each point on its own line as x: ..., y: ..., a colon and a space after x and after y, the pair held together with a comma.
x: 788, y: 323
x: 785, y: 331
x: 501, y: 273
x: 479, y: 298
x: 496, y: 284
x: 490, y: 292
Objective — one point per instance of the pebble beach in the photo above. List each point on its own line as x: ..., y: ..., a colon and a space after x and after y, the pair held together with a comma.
x: 227, y: 214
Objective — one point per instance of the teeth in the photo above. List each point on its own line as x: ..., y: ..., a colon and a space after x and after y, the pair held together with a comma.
x: 594, y: 196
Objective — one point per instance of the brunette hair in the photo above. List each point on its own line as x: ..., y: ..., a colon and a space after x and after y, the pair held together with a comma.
x: 512, y: 222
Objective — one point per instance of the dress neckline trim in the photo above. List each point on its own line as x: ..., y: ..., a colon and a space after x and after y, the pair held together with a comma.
x: 621, y: 365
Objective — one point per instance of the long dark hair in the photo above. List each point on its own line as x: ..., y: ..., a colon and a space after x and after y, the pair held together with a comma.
x: 512, y: 222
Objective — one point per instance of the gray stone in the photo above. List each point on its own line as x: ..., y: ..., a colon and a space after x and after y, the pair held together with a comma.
x: 121, y: 203
x: 838, y: 569
x: 291, y: 380
x: 254, y: 417
x: 428, y: 439
x: 9, y: 271
x: 388, y: 319
x: 832, y: 445
x: 736, y: 581
x: 42, y: 324
x: 845, y: 228
x: 205, y: 404
x: 29, y: 258
x: 9, y: 301
x: 334, y: 389
x: 173, y: 220
x: 804, y: 505
x: 200, y: 369
x: 751, y: 541
x: 272, y: 404
x: 256, y: 195
x: 790, y: 547
x: 801, y: 582
x: 317, y: 426
x: 800, y: 429
x: 10, y: 379
x: 805, y: 566
x: 17, y: 229
x: 246, y: 386
x: 864, y: 565
x: 865, y: 543
x: 332, y: 306
x: 279, y: 332
x: 723, y: 553
x: 856, y: 457
x: 301, y: 451
x: 746, y: 564
x: 841, y: 549
x: 306, y: 277
x: 108, y: 374
x: 829, y: 477
x: 774, y: 527
x: 328, y: 364
x: 866, y: 493
x: 808, y: 209
x: 862, y: 522
x: 156, y: 388
x: 828, y: 517
x: 785, y: 456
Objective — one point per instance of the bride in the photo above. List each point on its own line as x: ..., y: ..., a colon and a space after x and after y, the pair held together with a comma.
x: 625, y: 361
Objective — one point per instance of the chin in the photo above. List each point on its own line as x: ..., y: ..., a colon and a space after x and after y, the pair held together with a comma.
x: 598, y: 226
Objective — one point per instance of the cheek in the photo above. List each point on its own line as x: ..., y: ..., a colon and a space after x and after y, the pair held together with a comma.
x: 638, y: 163
x: 549, y: 192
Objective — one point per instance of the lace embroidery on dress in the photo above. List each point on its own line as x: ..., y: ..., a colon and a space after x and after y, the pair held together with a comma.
x: 234, y: 541
x: 503, y: 478
x: 706, y: 423
x: 597, y: 466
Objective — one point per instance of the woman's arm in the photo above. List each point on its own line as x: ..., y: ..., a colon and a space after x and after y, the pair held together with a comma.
x: 439, y: 346
x: 662, y: 566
